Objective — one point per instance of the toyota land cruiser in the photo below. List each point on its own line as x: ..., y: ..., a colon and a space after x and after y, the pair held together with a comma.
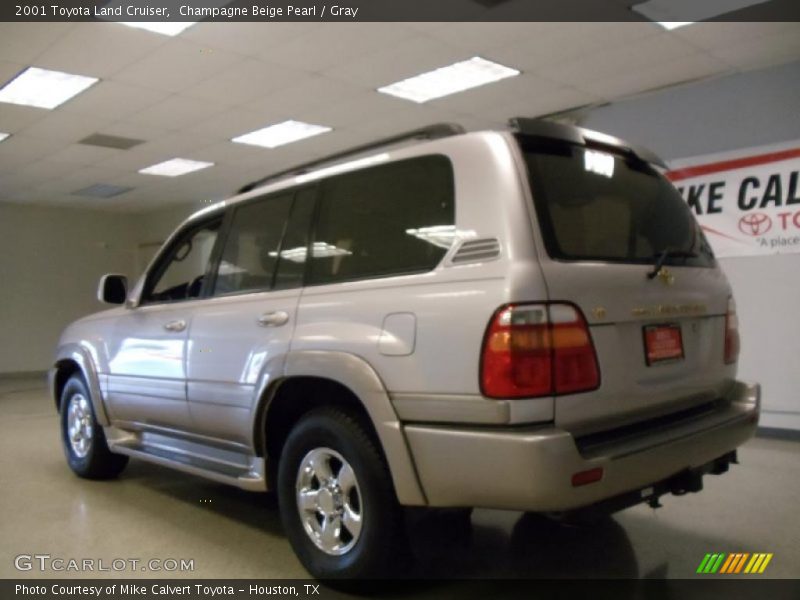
x: 527, y: 319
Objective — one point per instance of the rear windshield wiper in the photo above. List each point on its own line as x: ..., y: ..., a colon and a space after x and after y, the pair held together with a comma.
x: 664, y: 255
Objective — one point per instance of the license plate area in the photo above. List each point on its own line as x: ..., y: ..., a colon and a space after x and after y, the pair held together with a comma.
x: 662, y: 343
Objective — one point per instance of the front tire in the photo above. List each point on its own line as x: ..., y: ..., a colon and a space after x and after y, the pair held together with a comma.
x: 83, y: 438
x: 337, y: 502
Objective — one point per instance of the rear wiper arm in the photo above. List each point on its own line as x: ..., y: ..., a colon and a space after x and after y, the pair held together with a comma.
x: 668, y: 253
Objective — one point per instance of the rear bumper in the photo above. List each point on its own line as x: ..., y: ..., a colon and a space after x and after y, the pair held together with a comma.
x: 532, y: 469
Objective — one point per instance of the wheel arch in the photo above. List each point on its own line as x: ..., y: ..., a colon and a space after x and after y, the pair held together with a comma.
x: 70, y: 360
x: 312, y: 379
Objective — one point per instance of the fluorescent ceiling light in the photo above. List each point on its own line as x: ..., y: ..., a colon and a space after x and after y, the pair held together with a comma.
x: 175, y: 167
x: 280, y: 134
x: 455, y: 78
x: 672, y: 14
x: 43, y: 88
x: 670, y: 25
x: 170, y: 28
x: 4, y: 136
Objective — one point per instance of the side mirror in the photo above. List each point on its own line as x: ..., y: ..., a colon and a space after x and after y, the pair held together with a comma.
x: 113, y: 289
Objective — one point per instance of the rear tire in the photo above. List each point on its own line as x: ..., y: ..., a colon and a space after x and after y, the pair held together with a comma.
x: 83, y: 439
x: 337, y: 502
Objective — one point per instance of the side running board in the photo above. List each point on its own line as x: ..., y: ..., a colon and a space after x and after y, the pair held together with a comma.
x: 240, y: 470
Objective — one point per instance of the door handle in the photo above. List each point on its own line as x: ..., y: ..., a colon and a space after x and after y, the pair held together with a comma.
x: 274, y: 319
x: 177, y: 326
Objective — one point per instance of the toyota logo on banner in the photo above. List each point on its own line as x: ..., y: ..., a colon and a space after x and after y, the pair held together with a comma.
x: 755, y: 224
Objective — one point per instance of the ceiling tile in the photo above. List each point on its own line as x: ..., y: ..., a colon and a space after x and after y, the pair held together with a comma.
x: 479, y: 37
x: 617, y: 60
x: 14, y: 118
x: 176, y: 112
x: 65, y: 128
x: 311, y: 93
x: 557, y: 43
x: 24, y: 42
x: 21, y: 150
x: 80, y: 154
x: 176, y: 65
x: 761, y: 51
x: 114, y: 100
x: 505, y: 91
x: 660, y: 75
x: 87, y: 49
x: 416, y: 55
x: 245, y: 81
x: 338, y: 43
x: 250, y: 39
x: 548, y: 100
x: 719, y: 34
x: 75, y: 180
x: 364, y: 107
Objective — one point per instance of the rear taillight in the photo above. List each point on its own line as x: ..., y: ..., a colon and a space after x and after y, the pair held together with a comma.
x: 731, y: 333
x: 537, y: 350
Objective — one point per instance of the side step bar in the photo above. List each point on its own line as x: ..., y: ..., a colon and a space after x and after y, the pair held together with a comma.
x: 245, y: 472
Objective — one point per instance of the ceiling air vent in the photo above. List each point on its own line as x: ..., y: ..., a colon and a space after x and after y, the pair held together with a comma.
x: 110, y: 141
x: 102, y: 190
x: 477, y: 251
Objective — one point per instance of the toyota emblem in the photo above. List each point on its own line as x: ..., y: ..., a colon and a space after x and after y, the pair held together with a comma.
x: 755, y: 224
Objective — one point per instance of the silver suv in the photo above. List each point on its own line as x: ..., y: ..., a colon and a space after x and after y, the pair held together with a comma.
x: 527, y: 319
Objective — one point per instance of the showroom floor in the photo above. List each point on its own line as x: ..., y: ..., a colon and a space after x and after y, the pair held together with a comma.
x: 151, y: 512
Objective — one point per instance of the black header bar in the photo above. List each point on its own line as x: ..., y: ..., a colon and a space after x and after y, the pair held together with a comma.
x: 374, y: 10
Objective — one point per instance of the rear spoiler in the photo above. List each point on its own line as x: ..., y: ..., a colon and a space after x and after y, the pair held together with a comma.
x: 538, y: 128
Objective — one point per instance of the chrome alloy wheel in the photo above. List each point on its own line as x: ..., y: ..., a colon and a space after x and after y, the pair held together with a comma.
x: 80, y: 425
x: 329, y: 501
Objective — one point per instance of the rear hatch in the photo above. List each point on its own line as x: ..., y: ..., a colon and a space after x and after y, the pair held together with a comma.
x: 619, y: 242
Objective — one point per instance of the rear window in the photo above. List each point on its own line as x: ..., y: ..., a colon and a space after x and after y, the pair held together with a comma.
x: 599, y: 206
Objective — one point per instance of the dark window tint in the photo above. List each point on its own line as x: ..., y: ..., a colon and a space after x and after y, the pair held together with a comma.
x: 252, y: 244
x: 180, y: 272
x: 292, y: 261
x: 594, y: 205
x: 385, y: 220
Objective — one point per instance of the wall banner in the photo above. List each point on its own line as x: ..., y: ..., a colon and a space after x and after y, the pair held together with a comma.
x: 747, y: 202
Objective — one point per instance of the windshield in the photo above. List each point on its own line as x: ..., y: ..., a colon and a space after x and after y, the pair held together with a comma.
x: 595, y: 205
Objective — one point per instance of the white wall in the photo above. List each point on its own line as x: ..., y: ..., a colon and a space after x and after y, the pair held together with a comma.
x: 730, y: 113
x: 51, y: 260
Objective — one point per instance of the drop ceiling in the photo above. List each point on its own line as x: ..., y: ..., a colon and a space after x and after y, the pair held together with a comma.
x: 188, y: 96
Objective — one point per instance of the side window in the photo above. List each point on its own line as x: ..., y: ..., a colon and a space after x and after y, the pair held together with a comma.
x: 252, y: 244
x: 180, y: 273
x: 292, y: 262
x: 383, y: 221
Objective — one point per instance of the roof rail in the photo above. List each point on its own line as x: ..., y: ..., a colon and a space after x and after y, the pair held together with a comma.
x: 430, y: 132
x: 578, y: 135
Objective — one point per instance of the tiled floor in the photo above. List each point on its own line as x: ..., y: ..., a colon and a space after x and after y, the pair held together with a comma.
x: 151, y: 512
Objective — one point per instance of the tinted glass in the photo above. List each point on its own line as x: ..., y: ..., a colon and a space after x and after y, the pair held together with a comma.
x: 595, y: 205
x: 385, y: 220
x: 250, y: 254
x: 292, y: 261
x: 180, y: 273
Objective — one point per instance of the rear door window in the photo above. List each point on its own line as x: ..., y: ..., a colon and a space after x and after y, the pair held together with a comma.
x: 601, y: 206
x: 250, y: 253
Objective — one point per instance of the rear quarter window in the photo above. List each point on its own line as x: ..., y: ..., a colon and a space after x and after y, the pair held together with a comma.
x: 373, y: 222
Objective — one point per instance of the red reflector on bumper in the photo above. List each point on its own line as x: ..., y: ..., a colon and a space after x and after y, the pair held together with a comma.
x: 586, y: 477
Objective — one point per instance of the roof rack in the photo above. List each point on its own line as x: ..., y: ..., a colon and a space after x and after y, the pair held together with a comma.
x: 430, y: 132
x: 578, y: 135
